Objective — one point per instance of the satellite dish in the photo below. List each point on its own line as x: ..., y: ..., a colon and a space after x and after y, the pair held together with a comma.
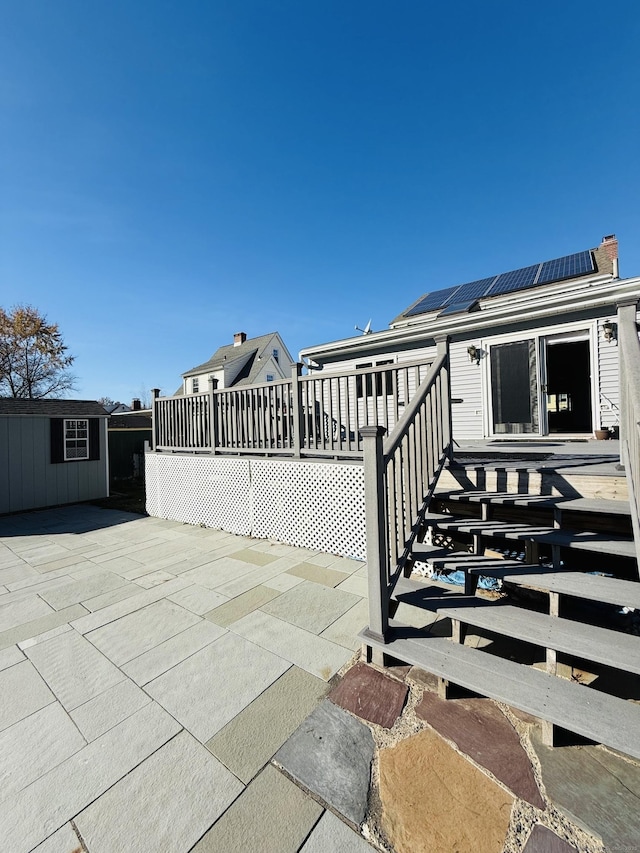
x: 366, y: 330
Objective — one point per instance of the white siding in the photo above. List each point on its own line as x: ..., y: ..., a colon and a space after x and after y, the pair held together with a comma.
x: 466, y: 385
x: 607, y: 411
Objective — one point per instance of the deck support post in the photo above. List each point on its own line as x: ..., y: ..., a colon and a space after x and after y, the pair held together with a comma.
x: 296, y: 400
x: 376, y: 531
x: 155, y: 393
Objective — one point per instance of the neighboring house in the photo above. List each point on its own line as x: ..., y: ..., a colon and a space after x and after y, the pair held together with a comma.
x: 51, y: 452
x: 129, y: 429
x: 247, y: 361
x: 533, y: 351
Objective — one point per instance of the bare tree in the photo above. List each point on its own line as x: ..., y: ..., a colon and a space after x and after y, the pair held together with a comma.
x: 33, y: 357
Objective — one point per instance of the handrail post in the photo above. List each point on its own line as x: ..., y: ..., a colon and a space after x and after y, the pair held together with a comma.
x: 442, y: 348
x: 296, y: 397
x: 213, y: 415
x: 376, y: 531
x: 155, y: 393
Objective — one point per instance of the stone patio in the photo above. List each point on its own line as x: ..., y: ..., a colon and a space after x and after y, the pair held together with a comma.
x: 173, y: 688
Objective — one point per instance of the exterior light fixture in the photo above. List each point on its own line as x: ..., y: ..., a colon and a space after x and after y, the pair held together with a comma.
x: 609, y: 331
x: 474, y: 354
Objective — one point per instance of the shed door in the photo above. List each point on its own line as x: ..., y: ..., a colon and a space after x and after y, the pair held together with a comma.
x: 514, y: 387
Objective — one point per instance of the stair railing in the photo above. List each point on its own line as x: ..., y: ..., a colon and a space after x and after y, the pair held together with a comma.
x: 629, y: 353
x: 400, y: 474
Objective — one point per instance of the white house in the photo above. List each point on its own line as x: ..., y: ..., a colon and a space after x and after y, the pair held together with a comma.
x: 533, y: 351
x: 247, y: 361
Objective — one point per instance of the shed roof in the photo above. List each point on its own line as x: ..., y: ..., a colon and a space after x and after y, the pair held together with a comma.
x: 52, y: 408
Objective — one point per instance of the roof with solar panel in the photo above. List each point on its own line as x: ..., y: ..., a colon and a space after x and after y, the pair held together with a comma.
x: 465, y: 297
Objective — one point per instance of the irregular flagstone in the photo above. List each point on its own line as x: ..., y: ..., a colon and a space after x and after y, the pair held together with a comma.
x: 311, y: 606
x: 246, y: 743
x: 271, y: 816
x: 481, y: 731
x: 22, y: 692
x: 370, y: 695
x: 164, y: 805
x: 434, y: 799
x: 331, y: 834
x: 330, y: 754
x: 33, y: 814
x: 598, y: 790
x: 542, y: 840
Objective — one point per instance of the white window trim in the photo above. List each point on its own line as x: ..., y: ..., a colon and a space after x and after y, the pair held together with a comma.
x: 66, y: 438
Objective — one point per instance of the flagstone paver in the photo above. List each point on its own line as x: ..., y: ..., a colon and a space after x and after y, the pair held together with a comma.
x: 318, y: 574
x: 74, y: 592
x: 217, y: 572
x: 31, y: 815
x: 109, y: 708
x: 481, y: 731
x: 344, y: 631
x: 248, y: 742
x: 164, y: 805
x: 19, y: 612
x: 331, y: 834
x: 318, y: 656
x: 222, y: 680
x: 330, y: 754
x: 232, y: 610
x: 32, y: 746
x: 543, y: 840
x: 108, y: 598
x: 257, y: 557
x: 370, y: 695
x: 272, y: 816
x: 22, y: 692
x: 197, y: 599
x: 311, y: 606
x: 46, y: 623
x: 10, y: 656
x: 173, y: 651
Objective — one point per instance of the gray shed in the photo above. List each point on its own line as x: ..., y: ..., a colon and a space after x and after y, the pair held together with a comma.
x: 52, y: 452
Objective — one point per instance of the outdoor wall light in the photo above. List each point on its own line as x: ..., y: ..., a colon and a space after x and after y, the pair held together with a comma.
x: 474, y: 354
x: 609, y: 331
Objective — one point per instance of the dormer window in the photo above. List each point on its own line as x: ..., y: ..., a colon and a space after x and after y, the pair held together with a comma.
x: 270, y: 377
x: 276, y: 355
x: 195, y: 385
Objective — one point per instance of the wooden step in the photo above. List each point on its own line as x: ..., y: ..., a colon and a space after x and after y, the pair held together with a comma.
x: 578, y: 584
x: 605, y: 719
x: 583, y: 505
x: 589, y: 642
x: 582, y: 540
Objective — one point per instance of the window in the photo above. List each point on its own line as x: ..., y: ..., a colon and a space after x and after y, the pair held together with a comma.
x: 384, y: 380
x: 76, y: 439
x: 195, y: 385
x: 276, y: 356
x: 270, y: 377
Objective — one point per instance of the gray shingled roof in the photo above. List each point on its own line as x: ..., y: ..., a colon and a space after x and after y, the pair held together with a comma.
x: 230, y: 352
x: 52, y: 408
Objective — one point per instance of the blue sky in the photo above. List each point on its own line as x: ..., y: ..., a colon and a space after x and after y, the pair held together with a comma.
x: 174, y: 172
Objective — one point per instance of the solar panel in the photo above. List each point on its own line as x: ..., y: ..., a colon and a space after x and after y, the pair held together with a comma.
x: 515, y: 280
x: 474, y: 290
x: 432, y: 301
x: 458, y: 307
x: 570, y: 266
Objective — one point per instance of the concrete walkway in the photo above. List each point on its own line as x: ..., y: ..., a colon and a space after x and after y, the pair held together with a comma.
x: 149, y: 671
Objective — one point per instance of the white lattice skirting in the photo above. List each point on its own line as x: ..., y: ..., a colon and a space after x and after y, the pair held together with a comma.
x: 315, y: 505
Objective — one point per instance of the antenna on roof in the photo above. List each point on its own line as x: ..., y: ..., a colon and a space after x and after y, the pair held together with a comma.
x: 366, y: 330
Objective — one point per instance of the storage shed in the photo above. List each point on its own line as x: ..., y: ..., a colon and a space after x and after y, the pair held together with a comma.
x: 52, y: 452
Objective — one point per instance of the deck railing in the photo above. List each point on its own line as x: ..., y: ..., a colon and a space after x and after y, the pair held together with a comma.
x: 629, y: 349
x: 400, y: 475
x: 317, y: 415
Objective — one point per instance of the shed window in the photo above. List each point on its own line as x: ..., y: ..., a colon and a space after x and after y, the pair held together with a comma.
x: 76, y: 439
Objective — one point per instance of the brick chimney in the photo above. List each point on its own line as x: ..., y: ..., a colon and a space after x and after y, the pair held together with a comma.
x: 610, y: 246
x: 239, y: 338
x: 135, y: 404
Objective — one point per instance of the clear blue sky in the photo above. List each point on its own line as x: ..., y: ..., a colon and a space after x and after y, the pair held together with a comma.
x: 174, y: 172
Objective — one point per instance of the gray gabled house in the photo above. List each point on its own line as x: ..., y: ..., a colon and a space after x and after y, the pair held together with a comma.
x: 52, y: 452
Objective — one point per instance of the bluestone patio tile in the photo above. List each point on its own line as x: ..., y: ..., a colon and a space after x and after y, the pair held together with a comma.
x: 282, y: 582
x: 311, y: 606
x: 198, y: 599
x: 318, y: 574
x: 236, y: 608
x: 10, y: 656
x: 33, y: 814
x: 16, y: 573
x: 257, y: 557
x: 164, y: 805
x: 314, y: 654
x: 129, y: 605
x: 271, y: 816
x: 331, y: 834
x: 68, y: 562
x: 108, y: 598
x: 247, y: 743
x: 217, y: 572
x: 19, y: 612
x: 47, y: 635
x: 344, y: 631
x: 52, y: 620
x: 109, y: 708
x: 247, y: 581
x: 73, y: 668
x: 208, y: 689
x: 33, y: 746
x: 136, y: 633
x: 173, y: 651
x: 330, y: 753
x: 22, y: 692
x: 356, y: 585
x: 151, y: 553
x: 153, y: 579
x: 64, y: 840
x: 119, y: 565
x: 75, y: 591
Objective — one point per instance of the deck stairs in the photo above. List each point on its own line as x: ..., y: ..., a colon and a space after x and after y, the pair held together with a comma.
x: 567, y: 611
